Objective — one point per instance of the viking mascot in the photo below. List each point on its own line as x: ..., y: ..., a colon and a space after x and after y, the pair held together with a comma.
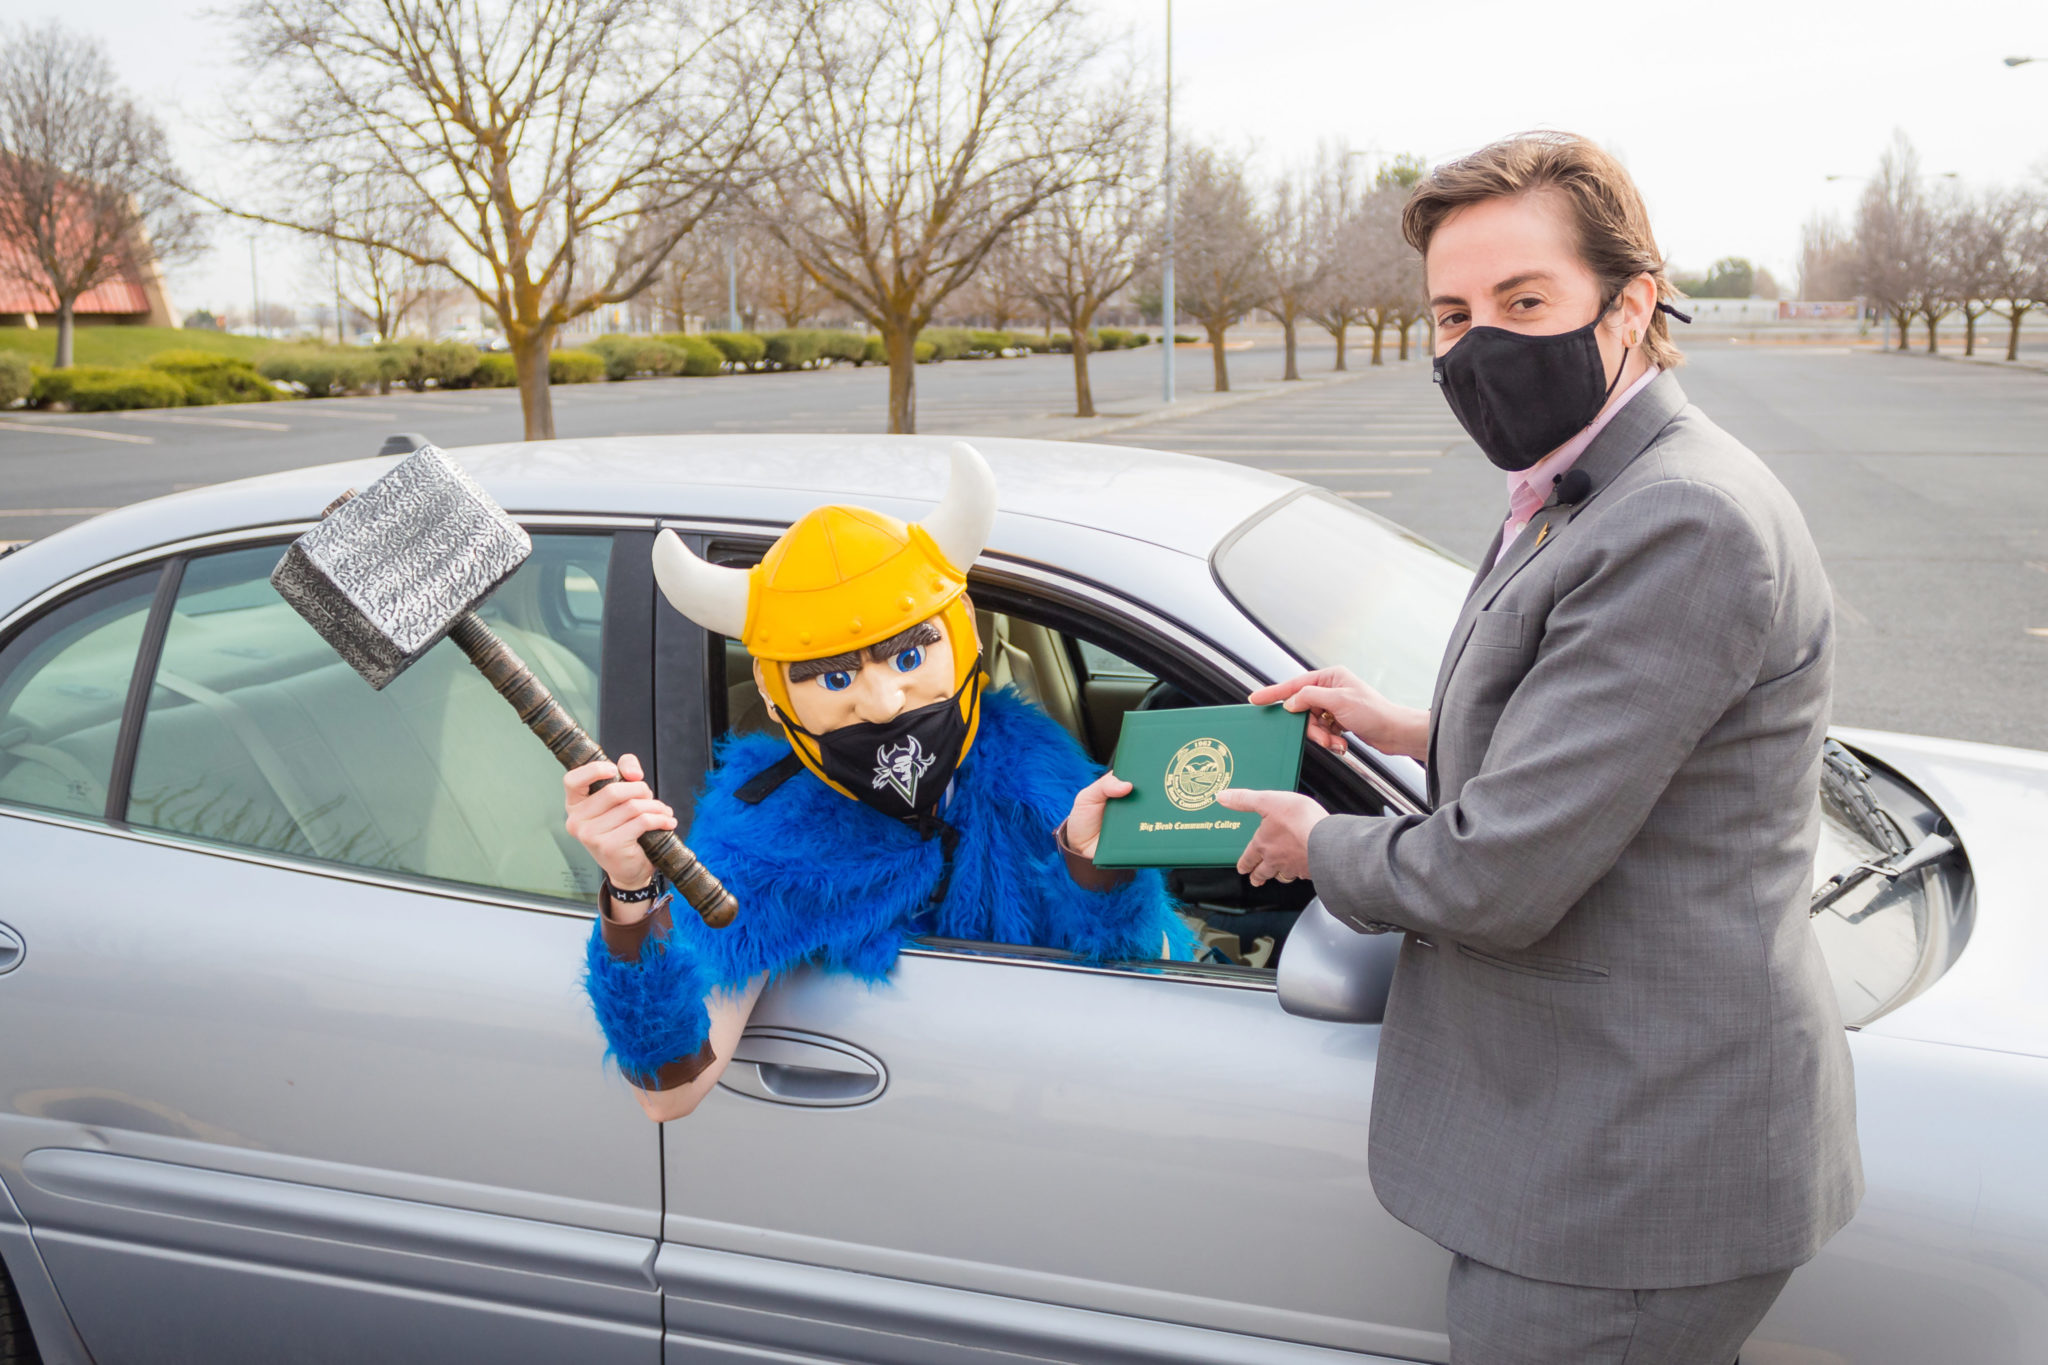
x: 901, y: 797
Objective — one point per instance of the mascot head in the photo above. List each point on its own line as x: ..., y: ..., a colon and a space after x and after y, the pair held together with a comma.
x: 862, y: 636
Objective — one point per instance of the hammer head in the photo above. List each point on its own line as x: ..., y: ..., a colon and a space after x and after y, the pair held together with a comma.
x: 386, y: 573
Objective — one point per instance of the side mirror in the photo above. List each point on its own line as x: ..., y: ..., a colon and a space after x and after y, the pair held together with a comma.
x: 1330, y: 971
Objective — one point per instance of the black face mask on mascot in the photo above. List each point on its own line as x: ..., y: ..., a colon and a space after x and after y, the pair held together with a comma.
x: 1520, y: 396
x: 901, y: 766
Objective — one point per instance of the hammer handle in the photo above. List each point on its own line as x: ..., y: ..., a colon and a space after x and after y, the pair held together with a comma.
x: 567, y: 741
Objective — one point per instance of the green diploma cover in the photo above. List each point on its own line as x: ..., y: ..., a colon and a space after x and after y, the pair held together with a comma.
x: 1178, y: 761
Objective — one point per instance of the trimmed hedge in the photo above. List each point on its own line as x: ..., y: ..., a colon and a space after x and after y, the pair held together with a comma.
x: 209, y: 377
x: 991, y: 343
x: 494, y: 370
x: 924, y: 352
x: 1111, y: 339
x: 17, y: 379
x: 873, y: 352
x: 626, y: 356
x: 575, y: 367
x: 106, y: 388
x: 699, y: 357
x: 948, y: 343
x: 743, y: 349
x: 323, y: 370
x: 416, y: 363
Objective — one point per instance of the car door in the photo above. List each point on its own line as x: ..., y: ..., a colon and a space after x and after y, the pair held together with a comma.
x: 1005, y: 1153
x: 311, y: 1077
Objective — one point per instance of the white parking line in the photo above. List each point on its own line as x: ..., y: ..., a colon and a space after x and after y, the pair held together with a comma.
x: 1368, y: 493
x: 1359, y: 469
x: 428, y: 404
x: 65, y: 429
x: 320, y: 407
x: 184, y: 421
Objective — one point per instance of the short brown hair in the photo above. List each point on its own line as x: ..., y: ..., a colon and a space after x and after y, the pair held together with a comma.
x: 1606, y: 210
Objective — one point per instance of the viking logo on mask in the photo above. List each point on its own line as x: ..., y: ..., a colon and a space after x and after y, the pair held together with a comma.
x: 900, y: 766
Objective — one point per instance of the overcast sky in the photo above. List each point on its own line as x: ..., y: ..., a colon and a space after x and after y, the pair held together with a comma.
x: 1730, y: 115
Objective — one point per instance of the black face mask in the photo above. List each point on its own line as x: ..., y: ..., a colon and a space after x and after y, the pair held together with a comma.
x: 1521, y: 397
x: 901, y: 766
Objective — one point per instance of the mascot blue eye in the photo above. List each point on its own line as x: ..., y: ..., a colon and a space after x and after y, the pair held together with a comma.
x: 837, y: 681
x: 909, y: 660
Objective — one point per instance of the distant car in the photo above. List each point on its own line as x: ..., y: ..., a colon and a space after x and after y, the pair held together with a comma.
x: 295, y: 1064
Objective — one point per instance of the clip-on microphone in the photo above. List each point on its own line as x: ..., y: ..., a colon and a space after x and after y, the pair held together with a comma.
x: 1574, y: 486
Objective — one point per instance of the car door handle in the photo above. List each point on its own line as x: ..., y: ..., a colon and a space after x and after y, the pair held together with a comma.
x: 12, y: 950
x: 788, y: 1067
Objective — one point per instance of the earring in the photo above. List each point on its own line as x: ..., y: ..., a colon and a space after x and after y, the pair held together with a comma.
x: 1631, y: 336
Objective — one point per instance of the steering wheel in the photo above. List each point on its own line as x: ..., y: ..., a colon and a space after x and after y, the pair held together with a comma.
x: 1163, y: 696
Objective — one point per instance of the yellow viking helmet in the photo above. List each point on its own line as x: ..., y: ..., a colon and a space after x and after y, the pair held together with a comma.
x: 843, y: 578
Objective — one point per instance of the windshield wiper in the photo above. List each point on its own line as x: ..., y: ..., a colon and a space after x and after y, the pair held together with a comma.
x: 1928, y: 851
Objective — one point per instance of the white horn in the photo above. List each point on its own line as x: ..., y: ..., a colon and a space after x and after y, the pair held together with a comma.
x: 709, y: 594
x: 962, y: 520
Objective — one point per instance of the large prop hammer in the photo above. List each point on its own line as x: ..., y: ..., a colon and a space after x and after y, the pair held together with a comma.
x: 391, y: 570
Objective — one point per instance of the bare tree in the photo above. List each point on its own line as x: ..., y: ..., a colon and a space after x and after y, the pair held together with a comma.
x: 2018, y: 278
x: 1974, y: 232
x: 918, y: 134
x: 383, y: 284
x: 1219, y: 248
x: 1894, y: 238
x: 777, y: 281
x: 1296, y: 258
x: 564, y: 146
x: 84, y: 174
x: 1090, y: 239
x: 1827, y: 260
x: 1340, y: 300
x: 1944, y: 283
x: 1003, y: 288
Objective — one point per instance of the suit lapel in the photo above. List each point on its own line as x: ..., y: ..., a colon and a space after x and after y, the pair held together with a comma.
x: 1627, y: 434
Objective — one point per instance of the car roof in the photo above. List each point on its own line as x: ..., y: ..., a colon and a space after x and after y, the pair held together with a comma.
x: 1180, y: 502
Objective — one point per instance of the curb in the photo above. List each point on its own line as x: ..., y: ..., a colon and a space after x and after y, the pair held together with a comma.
x: 1195, y: 407
x: 2009, y: 366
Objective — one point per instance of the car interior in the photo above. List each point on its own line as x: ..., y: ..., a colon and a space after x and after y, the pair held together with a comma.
x: 1088, y: 689
x: 256, y: 734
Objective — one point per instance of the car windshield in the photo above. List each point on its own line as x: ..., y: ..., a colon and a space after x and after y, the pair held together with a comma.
x: 1343, y: 588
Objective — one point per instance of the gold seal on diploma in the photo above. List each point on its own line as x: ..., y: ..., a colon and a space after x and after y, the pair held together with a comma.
x: 1199, y: 770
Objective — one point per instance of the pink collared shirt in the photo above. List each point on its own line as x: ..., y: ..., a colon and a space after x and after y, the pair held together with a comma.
x: 1529, y: 489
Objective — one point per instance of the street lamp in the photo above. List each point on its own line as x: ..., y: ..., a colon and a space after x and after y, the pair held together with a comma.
x: 332, y: 174
x: 1166, y: 308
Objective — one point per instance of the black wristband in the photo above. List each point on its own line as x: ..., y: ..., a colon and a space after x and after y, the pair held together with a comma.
x: 643, y: 895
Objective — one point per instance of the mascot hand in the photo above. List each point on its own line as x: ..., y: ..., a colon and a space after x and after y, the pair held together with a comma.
x: 1084, y: 822
x: 610, y: 820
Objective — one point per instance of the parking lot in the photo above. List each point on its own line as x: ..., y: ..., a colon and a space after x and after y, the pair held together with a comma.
x: 1925, y: 481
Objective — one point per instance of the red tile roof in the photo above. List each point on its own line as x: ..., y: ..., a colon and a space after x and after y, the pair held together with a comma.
x: 22, y: 289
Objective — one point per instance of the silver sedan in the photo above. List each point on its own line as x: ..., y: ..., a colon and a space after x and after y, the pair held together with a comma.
x: 295, y: 1064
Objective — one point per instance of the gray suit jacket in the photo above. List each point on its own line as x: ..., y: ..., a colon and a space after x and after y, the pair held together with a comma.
x: 1612, y: 1054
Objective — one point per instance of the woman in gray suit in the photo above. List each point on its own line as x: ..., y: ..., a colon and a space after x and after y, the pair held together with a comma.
x: 1612, y: 1077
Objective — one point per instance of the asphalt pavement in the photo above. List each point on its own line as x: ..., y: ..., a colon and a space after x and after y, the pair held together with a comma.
x: 1926, y: 483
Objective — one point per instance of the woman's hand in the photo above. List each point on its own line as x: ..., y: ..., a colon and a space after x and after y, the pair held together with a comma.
x: 1084, y: 821
x: 609, y: 821
x: 1338, y: 703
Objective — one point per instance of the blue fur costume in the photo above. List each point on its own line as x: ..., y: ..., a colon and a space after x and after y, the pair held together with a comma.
x: 826, y: 880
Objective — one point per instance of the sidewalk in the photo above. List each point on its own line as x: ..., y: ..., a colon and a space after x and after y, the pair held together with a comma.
x: 1064, y: 428
x: 2038, y: 365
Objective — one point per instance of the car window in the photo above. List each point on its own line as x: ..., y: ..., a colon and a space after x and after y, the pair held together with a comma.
x: 1087, y: 685
x: 257, y: 735
x: 1339, y: 586
x: 63, y: 682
